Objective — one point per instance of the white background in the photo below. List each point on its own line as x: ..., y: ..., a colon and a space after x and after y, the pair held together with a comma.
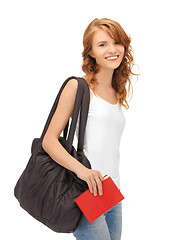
x: 40, y: 46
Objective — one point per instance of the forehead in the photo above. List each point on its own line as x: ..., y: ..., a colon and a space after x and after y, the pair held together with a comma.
x: 101, y: 35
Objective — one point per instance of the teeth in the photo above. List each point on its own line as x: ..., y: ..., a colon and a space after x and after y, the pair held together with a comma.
x: 112, y: 57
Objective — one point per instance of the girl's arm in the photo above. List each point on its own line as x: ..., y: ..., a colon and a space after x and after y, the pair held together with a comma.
x: 56, y: 151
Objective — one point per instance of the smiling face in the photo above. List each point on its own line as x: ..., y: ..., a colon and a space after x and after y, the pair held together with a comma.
x: 107, y: 52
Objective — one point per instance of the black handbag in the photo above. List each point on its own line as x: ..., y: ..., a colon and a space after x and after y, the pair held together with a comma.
x: 45, y: 189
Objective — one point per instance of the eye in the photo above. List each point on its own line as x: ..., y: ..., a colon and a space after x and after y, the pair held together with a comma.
x: 117, y: 43
x: 102, y: 45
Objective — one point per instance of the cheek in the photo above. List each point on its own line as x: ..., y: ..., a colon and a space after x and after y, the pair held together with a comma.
x: 122, y: 50
x: 100, y: 52
x: 99, y: 55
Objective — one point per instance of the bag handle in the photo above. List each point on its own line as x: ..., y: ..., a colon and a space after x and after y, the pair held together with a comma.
x: 85, y: 101
x: 82, y: 98
x: 79, y: 101
x: 83, y: 115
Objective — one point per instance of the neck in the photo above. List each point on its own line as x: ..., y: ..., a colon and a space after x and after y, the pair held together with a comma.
x: 104, y: 77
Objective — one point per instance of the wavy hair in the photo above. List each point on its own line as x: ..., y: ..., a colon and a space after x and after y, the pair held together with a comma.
x: 121, y: 80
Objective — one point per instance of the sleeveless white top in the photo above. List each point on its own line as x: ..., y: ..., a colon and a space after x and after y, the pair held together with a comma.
x: 104, y: 128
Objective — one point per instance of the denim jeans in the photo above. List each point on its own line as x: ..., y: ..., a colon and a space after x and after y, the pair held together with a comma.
x: 106, y: 227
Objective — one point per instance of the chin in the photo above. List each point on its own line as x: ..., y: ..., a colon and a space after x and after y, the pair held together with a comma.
x: 114, y: 67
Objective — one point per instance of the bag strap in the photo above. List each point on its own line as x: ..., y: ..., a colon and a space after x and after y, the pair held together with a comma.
x: 85, y: 101
x: 83, y: 114
x: 81, y: 99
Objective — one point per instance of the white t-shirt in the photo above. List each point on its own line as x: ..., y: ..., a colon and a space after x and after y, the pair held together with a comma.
x: 104, y: 128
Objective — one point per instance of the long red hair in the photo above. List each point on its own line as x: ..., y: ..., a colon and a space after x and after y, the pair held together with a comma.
x: 121, y: 77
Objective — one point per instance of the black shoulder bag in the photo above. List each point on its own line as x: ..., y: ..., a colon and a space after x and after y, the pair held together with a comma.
x: 45, y: 189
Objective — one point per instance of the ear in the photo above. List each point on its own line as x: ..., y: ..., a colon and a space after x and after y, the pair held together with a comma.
x: 91, y: 54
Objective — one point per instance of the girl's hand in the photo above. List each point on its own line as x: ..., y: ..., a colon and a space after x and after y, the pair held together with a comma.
x: 93, y: 179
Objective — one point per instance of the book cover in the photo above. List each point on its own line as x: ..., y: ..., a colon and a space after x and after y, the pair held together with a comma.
x: 94, y: 206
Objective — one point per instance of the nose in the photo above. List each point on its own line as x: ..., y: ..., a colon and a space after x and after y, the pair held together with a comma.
x: 112, y: 48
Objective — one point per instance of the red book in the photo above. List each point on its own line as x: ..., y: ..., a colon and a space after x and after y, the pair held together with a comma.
x: 94, y: 206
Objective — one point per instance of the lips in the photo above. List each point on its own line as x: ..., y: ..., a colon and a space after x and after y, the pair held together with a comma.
x: 112, y: 57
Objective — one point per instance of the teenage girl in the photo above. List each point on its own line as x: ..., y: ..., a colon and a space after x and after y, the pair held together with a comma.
x: 107, y: 62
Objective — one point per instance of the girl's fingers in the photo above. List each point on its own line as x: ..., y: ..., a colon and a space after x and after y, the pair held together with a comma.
x: 95, y: 183
x: 94, y: 187
x: 99, y: 185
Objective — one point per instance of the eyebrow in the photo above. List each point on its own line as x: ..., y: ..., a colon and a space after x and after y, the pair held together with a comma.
x: 102, y: 42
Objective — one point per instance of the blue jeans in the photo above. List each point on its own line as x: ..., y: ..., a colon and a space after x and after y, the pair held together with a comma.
x: 106, y: 227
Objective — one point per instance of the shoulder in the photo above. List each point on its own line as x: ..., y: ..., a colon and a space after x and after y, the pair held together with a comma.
x: 70, y: 88
x: 72, y: 83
